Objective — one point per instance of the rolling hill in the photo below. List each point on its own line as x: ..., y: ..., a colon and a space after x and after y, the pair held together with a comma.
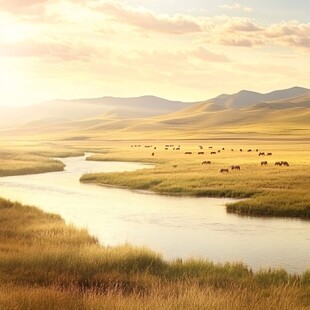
x: 96, y: 109
x: 279, y: 111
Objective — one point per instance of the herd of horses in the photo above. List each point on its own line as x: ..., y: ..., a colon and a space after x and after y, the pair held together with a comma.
x: 208, y: 162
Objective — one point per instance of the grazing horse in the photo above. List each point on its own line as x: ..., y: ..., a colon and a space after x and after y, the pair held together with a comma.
x: 177, y: 149
x: 201, y: 147
x: 249, y: 150
x: 166, y: 148
x: 278, y: 163
x: 224, y: 170
x: 153, y: 154
x: 240, y: 150
x: 201, y: 153
x: 223, y: 148
x: 213, y: 153
x: 263, y: 163
x: 219, y: 151
x: 261, y: 154
x: 269, y: 154
x: 188, y: 153
x: 210, y: 147
x: 285, y: 163
x: 256, y: 150
x: 232, y: 150
x: 235, y: 167
x: 206, y: 162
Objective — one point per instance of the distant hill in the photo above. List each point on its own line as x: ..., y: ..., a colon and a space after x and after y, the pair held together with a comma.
x: 246, y: 111
x: 59, y: 111
x: 246, y: 98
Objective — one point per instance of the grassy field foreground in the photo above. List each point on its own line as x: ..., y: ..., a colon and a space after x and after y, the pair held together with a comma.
x: 272, y: 190
x: 45, y: 264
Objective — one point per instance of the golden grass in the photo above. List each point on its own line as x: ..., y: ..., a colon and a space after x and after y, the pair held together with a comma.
x: 274, y: 191
x: 45, y: 264
x: 24, y: 159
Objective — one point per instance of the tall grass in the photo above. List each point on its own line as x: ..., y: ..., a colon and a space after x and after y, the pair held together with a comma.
x: 45, y: 264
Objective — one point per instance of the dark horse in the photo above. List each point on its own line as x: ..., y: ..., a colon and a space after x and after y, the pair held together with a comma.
x: 224, y: 170
x: 235, y: 167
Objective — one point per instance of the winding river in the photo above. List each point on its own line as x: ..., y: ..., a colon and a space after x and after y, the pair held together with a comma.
x: 175, y: 226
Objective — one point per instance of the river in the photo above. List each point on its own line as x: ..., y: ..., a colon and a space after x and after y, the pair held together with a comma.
x: 177, y: 227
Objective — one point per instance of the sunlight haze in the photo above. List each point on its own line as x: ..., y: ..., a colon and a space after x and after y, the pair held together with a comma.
x: 178, y: 50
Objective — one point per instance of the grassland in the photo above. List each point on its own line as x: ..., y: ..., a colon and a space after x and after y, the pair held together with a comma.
x: 271, y: 190
x: 32, y: 159
x: 45, y: 264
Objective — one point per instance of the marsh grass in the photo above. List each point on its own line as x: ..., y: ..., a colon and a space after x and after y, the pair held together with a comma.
x: 46, y: 264
x: 272, y: 190
x: 29, y: 160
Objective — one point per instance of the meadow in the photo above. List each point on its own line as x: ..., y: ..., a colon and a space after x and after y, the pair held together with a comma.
x: 22, y: 158
x: 270, y: 190
x: 46, y: 264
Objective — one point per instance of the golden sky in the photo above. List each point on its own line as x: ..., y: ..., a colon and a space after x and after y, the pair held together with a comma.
x: 184, y: 50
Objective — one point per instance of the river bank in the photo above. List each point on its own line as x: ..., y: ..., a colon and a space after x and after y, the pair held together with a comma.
x: 116, y: 216
x: 45, y: 263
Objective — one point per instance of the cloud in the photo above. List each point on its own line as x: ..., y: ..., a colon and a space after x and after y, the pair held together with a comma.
x: 24, y: 7
x: 240, y: 42
x: 206, y: 55
x: 237, y: 24
x: 236, y: 6
x: 146, y: 20
x: 56, y: 51
x: 292, y: 33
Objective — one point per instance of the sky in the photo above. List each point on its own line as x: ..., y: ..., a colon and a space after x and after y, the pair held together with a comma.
x: 176, y: 49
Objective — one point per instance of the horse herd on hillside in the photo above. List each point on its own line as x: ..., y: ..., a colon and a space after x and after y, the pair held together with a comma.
x: 212, y: 152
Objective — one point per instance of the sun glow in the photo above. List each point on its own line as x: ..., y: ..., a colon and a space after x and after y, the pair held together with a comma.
x: 14, y: 31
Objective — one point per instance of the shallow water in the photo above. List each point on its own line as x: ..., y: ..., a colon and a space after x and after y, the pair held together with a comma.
x: 175, y: 226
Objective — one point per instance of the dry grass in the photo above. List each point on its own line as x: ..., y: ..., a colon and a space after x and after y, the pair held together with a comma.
x: 45, y: 264
x: 23, y: 159
x: 274, y: 191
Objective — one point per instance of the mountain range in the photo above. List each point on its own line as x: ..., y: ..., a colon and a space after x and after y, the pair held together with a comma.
x: 245, y: 111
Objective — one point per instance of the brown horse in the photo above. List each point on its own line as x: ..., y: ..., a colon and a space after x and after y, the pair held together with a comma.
x: 213, y: 153
x: 224, y: 170
x: 235, y: 167
x: 263, y: 163
x: 206, y: 162
x: 188, y: 153
x: 269, y: 154
x: 261, y: 154
x: 201, y: 153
